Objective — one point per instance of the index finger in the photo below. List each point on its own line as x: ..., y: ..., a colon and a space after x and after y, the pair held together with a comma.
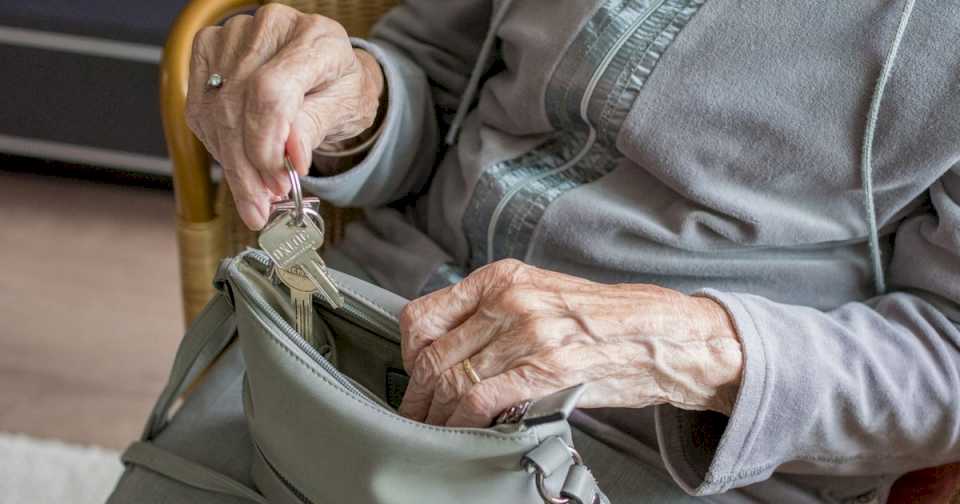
x: 426, y: 319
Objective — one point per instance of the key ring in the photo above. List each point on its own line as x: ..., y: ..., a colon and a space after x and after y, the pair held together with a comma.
x: 295, y: 189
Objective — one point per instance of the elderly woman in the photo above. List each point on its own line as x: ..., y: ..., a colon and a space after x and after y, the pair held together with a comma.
x: 737, y: 222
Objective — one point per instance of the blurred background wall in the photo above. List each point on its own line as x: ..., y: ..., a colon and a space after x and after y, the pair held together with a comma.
x: 78, y: 81
x: 89, y: 297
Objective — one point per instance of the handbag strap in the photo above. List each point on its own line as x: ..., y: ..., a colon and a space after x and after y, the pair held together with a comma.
x: 206, y: 338
x: 159, y: 460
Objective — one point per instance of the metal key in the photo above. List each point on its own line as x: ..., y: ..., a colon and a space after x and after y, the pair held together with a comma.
x: 290, y: 243
x: 301, y: 296
x: 301, y: 287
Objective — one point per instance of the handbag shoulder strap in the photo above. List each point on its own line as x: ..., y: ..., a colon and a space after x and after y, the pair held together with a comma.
x: 206, y: 338
x: 159, y: 460
x: 211, y: 332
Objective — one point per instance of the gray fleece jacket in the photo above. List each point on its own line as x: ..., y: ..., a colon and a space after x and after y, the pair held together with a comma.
x: 720, y: 146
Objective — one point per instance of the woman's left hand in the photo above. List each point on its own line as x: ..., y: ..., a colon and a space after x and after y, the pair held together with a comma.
x: 529, y: 332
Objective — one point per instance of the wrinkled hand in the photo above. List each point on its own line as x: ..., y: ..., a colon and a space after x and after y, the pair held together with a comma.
x: 529, y: 332
x: 291, y: 81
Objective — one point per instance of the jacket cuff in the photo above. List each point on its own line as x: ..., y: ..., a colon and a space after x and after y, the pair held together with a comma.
x: 377, y: 179
x: 706, y: 452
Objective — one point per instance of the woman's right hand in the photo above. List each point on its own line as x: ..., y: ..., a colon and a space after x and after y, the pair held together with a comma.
x: 291, y: 82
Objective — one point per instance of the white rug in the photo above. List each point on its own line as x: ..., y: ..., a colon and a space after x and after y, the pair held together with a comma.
x: 40, y: 471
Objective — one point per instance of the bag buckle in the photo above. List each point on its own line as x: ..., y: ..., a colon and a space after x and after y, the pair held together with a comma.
x: 579, y: 487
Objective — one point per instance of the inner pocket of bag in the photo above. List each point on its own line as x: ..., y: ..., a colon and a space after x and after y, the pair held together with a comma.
x: 368, y: 359
x: 365, y: 358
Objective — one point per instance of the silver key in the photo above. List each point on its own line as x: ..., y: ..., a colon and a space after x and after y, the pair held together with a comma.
x: 301, y: 296
x: 290, y: 243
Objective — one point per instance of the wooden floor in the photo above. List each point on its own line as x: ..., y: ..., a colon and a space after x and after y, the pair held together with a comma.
x: 89, y: 306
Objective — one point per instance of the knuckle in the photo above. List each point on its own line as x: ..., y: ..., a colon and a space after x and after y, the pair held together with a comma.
x: 426, y: 368
x: 512, y: 299
x: 267, y: 91
x: 508, y: 265
x: 236, y: 22
x: 257, y: 43
x: 322, y: 25
x: 273, y: 11
x: 204, y: 40
x: 409, y: 317
x: 503, y: 272
x: 447, y: 387
x: 463, y: 290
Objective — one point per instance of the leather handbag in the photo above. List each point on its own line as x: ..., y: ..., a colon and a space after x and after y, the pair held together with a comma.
x: 323, y: 416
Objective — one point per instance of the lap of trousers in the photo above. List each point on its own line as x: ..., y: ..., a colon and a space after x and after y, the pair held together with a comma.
x: 211, y: 429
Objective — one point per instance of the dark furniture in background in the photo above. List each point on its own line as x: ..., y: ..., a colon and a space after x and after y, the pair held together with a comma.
x: 79, y: 81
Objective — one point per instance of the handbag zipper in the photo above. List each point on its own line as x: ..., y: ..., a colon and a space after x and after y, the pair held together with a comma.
x: 390, y: 327
x: 292, y: 335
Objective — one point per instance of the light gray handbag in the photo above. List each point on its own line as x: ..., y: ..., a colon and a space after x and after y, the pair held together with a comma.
x: 323, y: 417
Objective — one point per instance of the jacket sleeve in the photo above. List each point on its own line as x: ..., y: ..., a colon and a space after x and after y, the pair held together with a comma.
x: 868, y: 388
x: 426, y: 50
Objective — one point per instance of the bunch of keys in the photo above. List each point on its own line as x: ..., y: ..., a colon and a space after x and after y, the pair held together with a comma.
x: 291, y: 239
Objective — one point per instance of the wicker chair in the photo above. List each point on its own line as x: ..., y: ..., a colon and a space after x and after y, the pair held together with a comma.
x: 208, y: 227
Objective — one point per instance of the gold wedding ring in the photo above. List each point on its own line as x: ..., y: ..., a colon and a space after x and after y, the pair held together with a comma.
x: 471, y: 373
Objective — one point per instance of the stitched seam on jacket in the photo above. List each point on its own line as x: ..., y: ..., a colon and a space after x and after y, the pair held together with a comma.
x: 754, y: 470
x: 652, y: 26
x: 764, y: 397
x: 651, y: 31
